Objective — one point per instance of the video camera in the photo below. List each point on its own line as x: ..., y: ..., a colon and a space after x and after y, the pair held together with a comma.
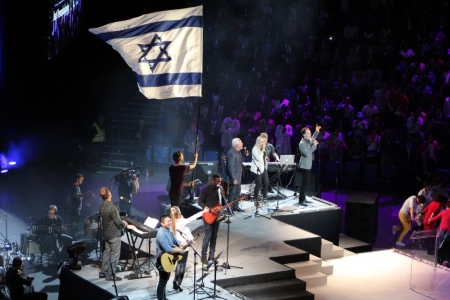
x: 126, y: 174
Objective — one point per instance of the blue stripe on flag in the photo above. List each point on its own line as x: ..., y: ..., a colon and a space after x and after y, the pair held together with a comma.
x: 169, y: 79
x: 194, y: 21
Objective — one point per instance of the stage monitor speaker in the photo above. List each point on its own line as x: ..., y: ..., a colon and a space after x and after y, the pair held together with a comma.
x: 361, y: 216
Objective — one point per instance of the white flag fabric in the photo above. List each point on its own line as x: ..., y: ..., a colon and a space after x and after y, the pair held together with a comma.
x: 164, y: 49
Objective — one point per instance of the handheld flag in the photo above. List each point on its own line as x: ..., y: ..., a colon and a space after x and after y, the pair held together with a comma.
x: 164, y: 49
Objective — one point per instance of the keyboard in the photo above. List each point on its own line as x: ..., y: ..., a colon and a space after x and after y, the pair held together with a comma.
x: 143, y: 231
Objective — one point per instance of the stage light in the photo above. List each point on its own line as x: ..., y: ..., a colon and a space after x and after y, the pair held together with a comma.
x: 74, y: 250
x: 12, y: 163
x: 4, y: 171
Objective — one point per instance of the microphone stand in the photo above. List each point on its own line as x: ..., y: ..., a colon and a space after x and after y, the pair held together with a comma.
x: 202, y: 284
x: 256, y: 213
x: 276, y: 209
x: 226, y: 265
x: 214, y: 296
x: 195, y: 264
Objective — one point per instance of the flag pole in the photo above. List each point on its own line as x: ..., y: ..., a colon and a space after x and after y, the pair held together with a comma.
x: 191, y: 195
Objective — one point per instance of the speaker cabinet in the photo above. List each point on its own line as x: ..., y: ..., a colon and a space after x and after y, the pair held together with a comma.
x: 361, y: 216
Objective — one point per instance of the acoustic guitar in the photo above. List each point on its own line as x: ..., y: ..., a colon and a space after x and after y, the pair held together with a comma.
x: 215, y: 212
x: 166, y: 261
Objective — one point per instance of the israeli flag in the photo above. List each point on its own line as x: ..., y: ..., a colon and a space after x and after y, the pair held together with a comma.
x: 164, y: 49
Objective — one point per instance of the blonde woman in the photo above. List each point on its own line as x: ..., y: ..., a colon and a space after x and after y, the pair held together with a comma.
x: 179, y: 224
x: 259, y: 167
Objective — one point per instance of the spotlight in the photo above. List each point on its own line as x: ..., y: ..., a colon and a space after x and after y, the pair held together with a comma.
x: 74, y: 250
x: 12, y: 163
x: 4, y: 171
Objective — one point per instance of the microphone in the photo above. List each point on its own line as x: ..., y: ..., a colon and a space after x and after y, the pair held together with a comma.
x: 125, y: 199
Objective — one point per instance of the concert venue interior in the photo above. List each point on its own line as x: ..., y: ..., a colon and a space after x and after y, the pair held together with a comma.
x: 280, y: 66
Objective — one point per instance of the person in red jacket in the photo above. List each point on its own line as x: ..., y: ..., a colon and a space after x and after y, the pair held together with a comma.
x: 432, y: 210
x: 444, y: 217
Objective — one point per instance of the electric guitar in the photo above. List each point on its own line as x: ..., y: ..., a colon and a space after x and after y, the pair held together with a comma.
x: 166, y: 261
x: 215, y: 212
x: 50, y: 229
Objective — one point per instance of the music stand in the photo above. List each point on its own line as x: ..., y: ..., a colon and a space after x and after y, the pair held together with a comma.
x: 214, y: 296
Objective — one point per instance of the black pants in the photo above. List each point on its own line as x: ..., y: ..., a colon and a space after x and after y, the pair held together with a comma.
x: 161, y: 289
x: 261, y: 179
x: 210, y: 240
x: 175, y: 200
x: 305, y: 180
x: 181, y: 268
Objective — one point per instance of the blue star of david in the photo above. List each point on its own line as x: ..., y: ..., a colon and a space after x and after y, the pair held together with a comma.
x: 156, y: 42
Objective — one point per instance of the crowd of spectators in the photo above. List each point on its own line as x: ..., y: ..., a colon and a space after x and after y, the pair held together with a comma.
x: 374, y: 74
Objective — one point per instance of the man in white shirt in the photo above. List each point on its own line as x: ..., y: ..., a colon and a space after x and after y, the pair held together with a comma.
x: 406, y: 215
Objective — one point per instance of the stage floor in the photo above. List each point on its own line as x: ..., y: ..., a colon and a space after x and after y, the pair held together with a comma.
x: 379, y: 275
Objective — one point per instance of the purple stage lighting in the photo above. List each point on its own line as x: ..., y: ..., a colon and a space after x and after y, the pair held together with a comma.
x: 12, y: 163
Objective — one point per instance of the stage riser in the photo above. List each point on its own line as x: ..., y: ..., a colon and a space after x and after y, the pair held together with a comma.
x: 326, y: 224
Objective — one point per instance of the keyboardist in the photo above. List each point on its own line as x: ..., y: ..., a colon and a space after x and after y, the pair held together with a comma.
x: 112, y: 227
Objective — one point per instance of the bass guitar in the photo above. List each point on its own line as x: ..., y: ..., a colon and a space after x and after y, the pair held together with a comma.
x: 215, y: 212
x: 166, y: 261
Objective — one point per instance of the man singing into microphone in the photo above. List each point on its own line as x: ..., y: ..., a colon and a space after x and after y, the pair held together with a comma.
x: 210, y: 196
x: 307, y: 146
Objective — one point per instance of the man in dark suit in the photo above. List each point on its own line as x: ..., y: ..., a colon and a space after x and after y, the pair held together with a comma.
x: 234, y: 171
x: 408, y: 155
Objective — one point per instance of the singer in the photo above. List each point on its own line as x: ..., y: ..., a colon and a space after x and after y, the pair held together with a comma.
x: 259, y: 167
x: 210, y: 196
x: 183, y: 235
x: 307, y: 146
x: 233, y: 173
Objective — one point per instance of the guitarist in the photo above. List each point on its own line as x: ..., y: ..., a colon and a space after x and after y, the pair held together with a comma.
x: 49, y: 240
x: 165, y: 242
x: 210, y: 196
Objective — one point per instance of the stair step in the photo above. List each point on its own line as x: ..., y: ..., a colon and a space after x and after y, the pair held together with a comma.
x: 326, y: 268
x: 304, y: 267
x: 315, y: 279
x: 336, y: 252
x: 258, y: 290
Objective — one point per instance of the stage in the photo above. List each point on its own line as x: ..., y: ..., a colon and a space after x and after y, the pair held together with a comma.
x: 284, y: 257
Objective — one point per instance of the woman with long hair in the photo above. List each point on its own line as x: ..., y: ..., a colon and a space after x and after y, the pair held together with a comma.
x: 259, y: 167
x: 183, y: 234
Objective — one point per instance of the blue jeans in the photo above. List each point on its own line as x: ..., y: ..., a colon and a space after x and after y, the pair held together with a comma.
x: 110, y: 256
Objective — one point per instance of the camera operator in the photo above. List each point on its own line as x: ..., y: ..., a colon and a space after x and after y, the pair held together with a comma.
x: 128, y: 185
x: 15, y: 283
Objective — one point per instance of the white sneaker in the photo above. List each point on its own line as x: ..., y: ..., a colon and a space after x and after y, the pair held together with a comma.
x: 394, y: 230
x: 399, y: 244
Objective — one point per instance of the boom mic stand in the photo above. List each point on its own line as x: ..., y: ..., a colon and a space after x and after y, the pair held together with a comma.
x: 214, y: 296
x: 276, y: 209
x: 202, y: 284
x: 226, y: 265
x: 256, y: 213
